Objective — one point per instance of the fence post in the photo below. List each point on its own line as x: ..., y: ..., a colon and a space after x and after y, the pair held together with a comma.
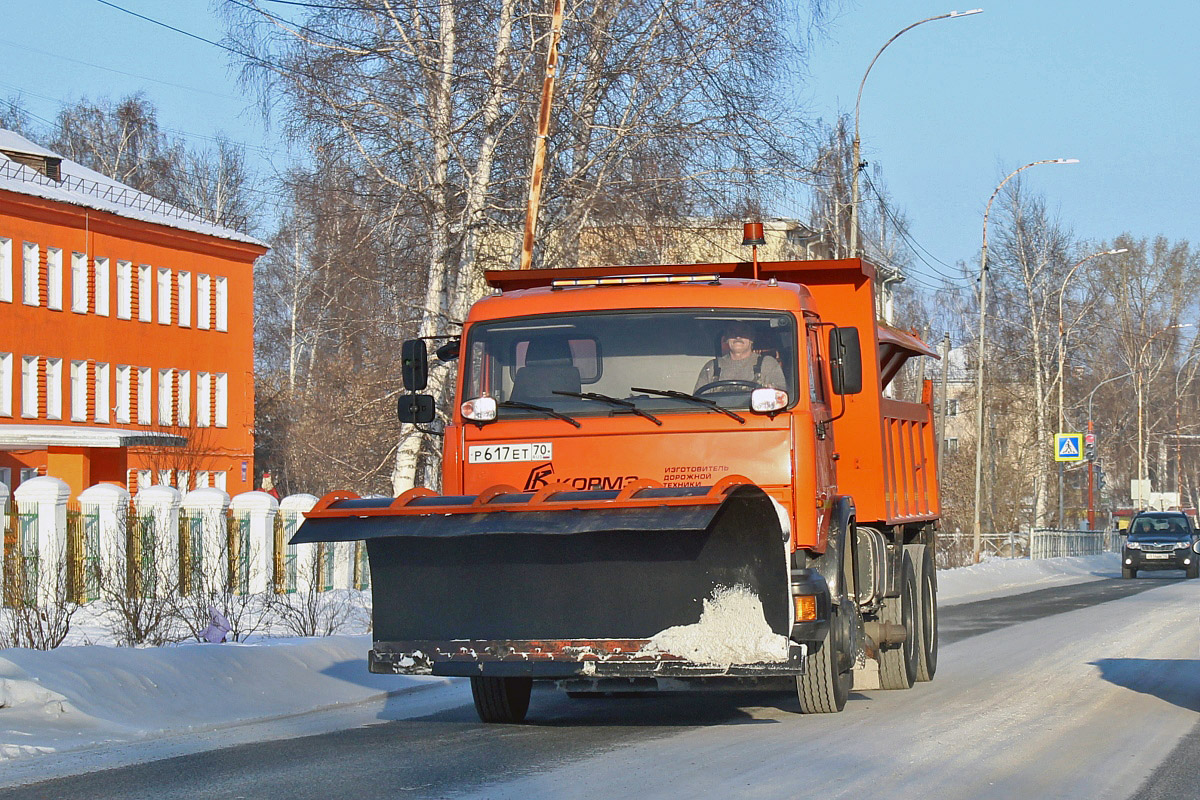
x: 204, y: 511
x: 298, y: 559
x: 260, y: 509
x: 44, y: 543
x: 110, y: 504
x: 4, y: 493
x: 161, y: 505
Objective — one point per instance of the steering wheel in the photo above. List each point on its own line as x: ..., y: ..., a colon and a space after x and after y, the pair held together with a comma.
x: 733, y: 385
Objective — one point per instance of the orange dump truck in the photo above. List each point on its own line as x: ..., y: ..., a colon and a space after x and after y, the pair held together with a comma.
x: 691, y: 477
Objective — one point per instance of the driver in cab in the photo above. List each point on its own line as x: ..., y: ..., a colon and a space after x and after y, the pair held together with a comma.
x: 740, y: 364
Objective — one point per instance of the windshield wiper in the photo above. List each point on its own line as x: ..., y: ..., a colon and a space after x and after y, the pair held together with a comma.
x: 616, y: 401
x: 531, y: 407
x: 704, y: 401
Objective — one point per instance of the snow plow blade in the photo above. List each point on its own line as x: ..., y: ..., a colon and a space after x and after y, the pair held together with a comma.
x: 562, y: 583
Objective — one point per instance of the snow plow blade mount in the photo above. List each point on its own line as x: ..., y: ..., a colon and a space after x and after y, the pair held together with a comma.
x: 558, y: 582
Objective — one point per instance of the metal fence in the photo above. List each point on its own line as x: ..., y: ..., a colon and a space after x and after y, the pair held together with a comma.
x: 1055, y: 543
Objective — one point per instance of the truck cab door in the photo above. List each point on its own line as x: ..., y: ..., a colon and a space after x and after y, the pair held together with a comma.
x: 818, y: 394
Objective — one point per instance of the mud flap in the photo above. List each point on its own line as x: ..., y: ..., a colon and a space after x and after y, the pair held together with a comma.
x: 597, y: 566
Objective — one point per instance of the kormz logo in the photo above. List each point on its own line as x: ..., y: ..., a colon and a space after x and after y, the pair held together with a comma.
x: 538, y: 475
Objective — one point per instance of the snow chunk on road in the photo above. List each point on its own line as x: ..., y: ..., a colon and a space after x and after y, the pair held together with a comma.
x: 732, y: 629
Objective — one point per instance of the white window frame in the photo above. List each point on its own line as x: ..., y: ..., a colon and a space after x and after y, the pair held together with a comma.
x: 31, y: 278
x: 6, y: 384
x: 124, y: 392
x: 222, y: 304
x: 101, y: 291
x: 144, y: 478
x: 79, y: 281
x: 203, y: 399
x: 29, y: 386
x: 54, y: 278
x: 222, y: 395
x: 202, y: 479
x: 220, y: 480
x: 166, y: 403
x: 54, y: 388
x: 79, y: 391
x: 164, y: 477
x: 102, y: 397
x: 124, y: 289
x: 203, y: 302
x: 145, y: 377
x: 183, y: 280
x: 6, y: 271
x: 164, y: 295
x: 145, y: 294
x: 183, y: 407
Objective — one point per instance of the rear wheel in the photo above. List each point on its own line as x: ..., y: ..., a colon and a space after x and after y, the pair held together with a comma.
x: 926, y: 575
x: 898, y: 665
x: 501, y: 699
x: 828, y: 673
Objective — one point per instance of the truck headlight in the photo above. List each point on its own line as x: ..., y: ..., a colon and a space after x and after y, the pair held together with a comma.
x: 765, y: 400
x: 479, y: 409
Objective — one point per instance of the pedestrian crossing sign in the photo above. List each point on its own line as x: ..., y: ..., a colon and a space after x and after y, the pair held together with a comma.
x: 1068, y: 447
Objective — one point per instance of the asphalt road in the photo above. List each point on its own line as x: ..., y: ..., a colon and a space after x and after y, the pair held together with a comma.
x: 450, y: 752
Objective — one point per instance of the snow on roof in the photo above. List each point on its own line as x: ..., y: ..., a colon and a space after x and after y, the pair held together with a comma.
x: 81, y: 186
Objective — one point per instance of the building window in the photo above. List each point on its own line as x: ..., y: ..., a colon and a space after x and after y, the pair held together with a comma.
x: 951, y: 445
x: 124, y: 290
x: 145, y: 290
x: 6, y: 384
x: 79, y: 278
x: 219, y: 480
x: 29, y: 386
x: 183, y: 383
x: 203, y: 303
x: 222, y: 397
x: 143, y: 396
x: 203, y: 399
x: 184, y: 280
x: 222, y: 304
x: 54, y: 278
x: 164, y: 477
x: 202, y: 479
x: 54, y: 392
x: 144, y: 478
x: 101, y: 286
x: 124, y: 390
x: 182, y: 480
x: 164, y: 296
x: 30, y: 279
x: 101, y: 394
x: 6, y: 280
x: 952, y: 407
x: 166, y: 408
x: 79, y: 391
x: 6, y: 476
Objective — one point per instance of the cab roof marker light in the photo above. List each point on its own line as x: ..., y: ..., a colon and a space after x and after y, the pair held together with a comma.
x: 634, y: 279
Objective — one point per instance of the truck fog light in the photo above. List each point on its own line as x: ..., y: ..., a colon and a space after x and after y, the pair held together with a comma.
x: 806, y: 607
x: 480, y: 409
x: 768, y: 400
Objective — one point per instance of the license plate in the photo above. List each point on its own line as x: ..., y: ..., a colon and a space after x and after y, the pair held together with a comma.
x: 1157, y: 555
x: 508, y: 453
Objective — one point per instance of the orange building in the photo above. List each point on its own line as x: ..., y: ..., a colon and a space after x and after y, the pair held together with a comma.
x: 126, y: 333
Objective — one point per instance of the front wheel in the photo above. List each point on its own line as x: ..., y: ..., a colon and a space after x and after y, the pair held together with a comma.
x: 898, y: 665
x: 1193, y: 571
x: 829, y: 672
x: 503, y: 700
x: 1127, y: 572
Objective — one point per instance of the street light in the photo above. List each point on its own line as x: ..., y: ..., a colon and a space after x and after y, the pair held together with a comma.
x: 1062, y: 354
x: 858, y: 102
x: 978, y: 521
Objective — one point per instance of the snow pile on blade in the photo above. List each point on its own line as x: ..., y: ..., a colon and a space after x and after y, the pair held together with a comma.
x: 732, y: 630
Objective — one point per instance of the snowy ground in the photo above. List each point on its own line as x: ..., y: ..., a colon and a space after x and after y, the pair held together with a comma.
x: 87, y: 707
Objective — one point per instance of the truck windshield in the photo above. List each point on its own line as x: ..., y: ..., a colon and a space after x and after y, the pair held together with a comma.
x: 717, y: 355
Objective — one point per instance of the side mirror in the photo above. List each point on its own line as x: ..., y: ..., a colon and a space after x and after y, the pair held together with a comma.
x: 448, y: 351
x: 845, y: 361
x: 414, y: 364
x: 415, y: 408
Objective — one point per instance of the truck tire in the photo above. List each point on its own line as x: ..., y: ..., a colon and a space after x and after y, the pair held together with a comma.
x: 829, y: 672
x: 926, y: 574
x: 898, y: 665
x: 503, y: 700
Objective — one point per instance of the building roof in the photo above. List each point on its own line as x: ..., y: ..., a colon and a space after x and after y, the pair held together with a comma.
x: 21, y: 437
x: 87, y: 188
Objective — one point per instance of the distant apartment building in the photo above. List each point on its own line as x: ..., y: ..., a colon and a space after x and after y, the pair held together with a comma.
x: 126, y: 333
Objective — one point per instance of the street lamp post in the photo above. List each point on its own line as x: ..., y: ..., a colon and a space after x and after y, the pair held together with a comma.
x: 1062, y: 353
x: 856, y: 146
x: 978, y: 521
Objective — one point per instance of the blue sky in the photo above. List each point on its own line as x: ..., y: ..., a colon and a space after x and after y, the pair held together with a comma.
x: 950, y: 108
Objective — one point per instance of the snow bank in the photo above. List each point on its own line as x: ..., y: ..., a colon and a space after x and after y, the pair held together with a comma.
x: 998, y: 577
